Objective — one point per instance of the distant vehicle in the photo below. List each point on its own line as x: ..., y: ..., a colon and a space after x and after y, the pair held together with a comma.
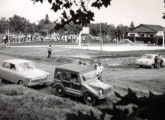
x: 80, y: 81
x: 148, y: 60
x: 23, y: 72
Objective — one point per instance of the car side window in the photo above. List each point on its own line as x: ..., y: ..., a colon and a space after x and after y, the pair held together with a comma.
x: 66, y: 76
x: 6, y: 65
x: 12, y: 67
x: 74, y: 78
x: 58, y: 75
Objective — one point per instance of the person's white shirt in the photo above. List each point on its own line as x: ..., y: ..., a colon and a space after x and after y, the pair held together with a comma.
x: 100, y: 69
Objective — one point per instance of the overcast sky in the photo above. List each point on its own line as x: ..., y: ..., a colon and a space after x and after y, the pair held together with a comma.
x: 120, y: 11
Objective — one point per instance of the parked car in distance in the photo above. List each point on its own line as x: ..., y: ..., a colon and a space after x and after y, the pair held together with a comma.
x: 80, y: 81
x: 23, y: 72
x: 148, y: 60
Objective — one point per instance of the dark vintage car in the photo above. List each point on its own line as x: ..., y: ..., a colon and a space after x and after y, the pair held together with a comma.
x: 81, y: 81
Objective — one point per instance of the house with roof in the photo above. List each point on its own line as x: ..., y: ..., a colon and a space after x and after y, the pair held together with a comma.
x: 147, y: 33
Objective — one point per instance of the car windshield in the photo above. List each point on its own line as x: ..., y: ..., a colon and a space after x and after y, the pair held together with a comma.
x: 89, y: 75
x: 147, y: 56
x: 26, y: 66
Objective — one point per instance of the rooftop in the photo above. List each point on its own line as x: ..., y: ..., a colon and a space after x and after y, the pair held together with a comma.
x: 148, y: 28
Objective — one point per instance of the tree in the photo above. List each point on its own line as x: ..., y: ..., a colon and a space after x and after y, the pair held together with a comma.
x: 45, y: 26
x: 4, y: 25
x: 164, y: 13
x: 120, y: 31
x: 18, y: 24
x: 132, y: 26
x: 75, y: 11
x: 47, y: 21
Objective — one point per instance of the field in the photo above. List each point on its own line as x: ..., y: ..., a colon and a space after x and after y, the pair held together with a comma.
x: 120, y: 70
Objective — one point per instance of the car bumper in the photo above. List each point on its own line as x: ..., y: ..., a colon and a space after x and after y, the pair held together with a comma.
x: 105, y: 96
x: 144, y: 64
x: 44, y: 82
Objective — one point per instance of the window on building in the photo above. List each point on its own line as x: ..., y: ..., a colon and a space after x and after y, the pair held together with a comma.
x: 132, y: 35
x: 151, y: 35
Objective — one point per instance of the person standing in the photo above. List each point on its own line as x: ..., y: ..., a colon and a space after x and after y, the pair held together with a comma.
x: 158, y: 61
x: 100, y: 69
x: 49, y: 51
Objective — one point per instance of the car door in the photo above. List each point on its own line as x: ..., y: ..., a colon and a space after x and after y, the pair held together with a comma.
x: 8, y: 72
x: 75, y: 83
x: 66, y: 79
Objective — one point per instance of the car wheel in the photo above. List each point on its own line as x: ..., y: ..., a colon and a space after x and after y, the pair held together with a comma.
x: 59, y: 91
x: 22, y: 83
x: 89, y: 99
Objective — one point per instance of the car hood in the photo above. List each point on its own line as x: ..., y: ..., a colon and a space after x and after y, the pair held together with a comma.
x: 34, y: 73
x: 143, y: 60
x: 97, y: 84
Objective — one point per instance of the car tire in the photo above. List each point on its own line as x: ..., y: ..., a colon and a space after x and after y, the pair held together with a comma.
x: 89, y: 99
x: 59, y: 91
x: 21, y: 82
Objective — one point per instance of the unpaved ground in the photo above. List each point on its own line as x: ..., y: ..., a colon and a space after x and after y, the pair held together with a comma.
x: 118, y: 71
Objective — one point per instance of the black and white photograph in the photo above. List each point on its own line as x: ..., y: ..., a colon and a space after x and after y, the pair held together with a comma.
x: 82, y: 59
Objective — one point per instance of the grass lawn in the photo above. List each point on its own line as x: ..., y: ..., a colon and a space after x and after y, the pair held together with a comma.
x: 20, y: 103
x: 123, y: 75
x: 119, y: 67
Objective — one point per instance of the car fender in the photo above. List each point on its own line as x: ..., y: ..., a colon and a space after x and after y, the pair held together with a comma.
x: 53, y: 85
x: 90, y: 89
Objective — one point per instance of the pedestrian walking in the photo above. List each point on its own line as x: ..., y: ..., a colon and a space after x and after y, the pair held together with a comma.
x: 49, y: 51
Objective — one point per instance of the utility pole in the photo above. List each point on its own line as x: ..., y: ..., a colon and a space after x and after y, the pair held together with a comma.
x: 101, y: 42
x: 163, y: 38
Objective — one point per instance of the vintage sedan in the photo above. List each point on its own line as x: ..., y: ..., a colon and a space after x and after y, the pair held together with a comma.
x: 80, y: 81
x: 23, y: 72
x: 148, y: 60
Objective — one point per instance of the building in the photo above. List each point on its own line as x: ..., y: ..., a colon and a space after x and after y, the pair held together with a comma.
x: 147, y: 33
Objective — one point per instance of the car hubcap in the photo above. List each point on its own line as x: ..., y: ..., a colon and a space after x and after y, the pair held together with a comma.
x: 22, y: 83
x: 59, y: 90
x: 89, y: 98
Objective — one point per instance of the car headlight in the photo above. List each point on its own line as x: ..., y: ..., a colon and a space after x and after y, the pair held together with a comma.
x: 100, y: 92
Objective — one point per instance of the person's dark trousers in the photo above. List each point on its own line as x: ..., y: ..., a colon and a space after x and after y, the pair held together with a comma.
x: 49, y: 54
x: 158, y: 65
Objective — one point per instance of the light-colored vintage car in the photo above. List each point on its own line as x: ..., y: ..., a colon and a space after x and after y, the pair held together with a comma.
x: 23, y: 72
x: 80, y: 81
x: 148, y: 60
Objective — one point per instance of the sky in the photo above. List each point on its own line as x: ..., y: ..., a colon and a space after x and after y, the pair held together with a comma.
x: 119, y: 12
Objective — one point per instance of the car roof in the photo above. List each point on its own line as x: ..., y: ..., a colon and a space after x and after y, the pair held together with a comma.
x: 151, y: 54
x: 16, y: 61
x: 75, y: 68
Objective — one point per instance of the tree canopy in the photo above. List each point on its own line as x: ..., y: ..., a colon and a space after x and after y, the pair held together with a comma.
x: 75, y: 11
